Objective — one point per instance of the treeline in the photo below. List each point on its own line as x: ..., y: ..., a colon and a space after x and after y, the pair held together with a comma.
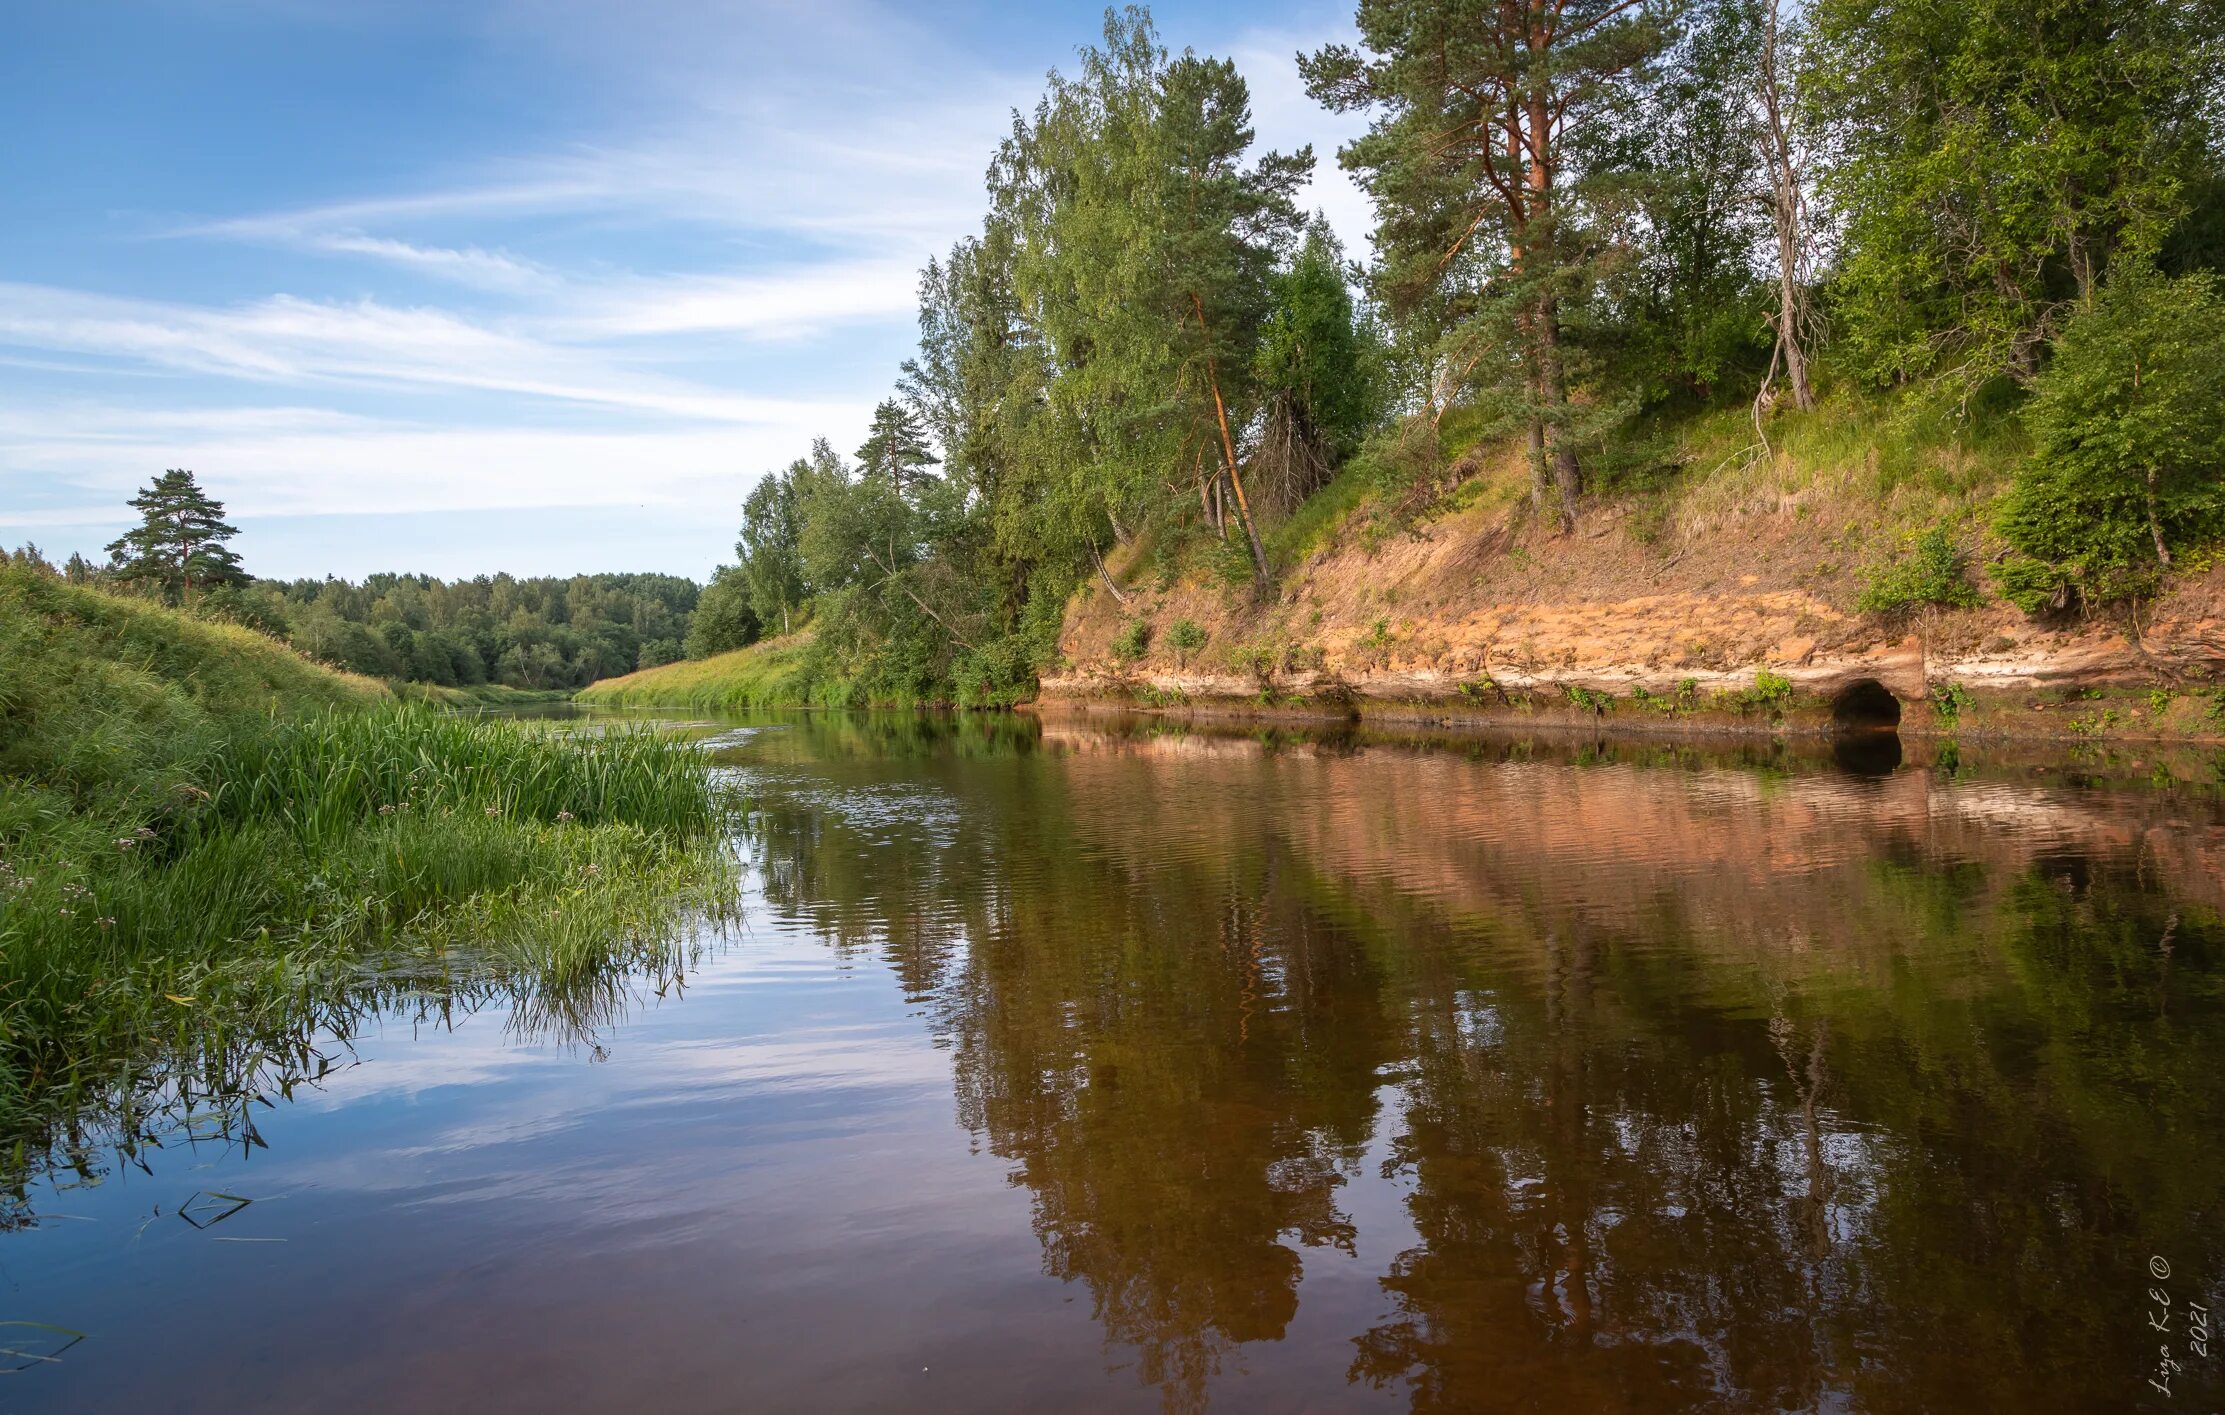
x: 541, y: 632
x: 1588, y: 212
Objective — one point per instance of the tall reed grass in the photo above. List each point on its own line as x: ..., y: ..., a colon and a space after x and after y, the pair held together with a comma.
x: 209, y: 847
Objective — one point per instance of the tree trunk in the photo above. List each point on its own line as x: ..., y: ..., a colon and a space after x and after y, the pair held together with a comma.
x: 1553, y: 393
x: 1545, y: 335
x: 2155, y: 523
x: 1784, y: 211
x: 1228, y: 450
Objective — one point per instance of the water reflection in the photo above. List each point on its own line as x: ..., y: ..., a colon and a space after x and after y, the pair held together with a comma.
x: 1359, y: 1071
x: 1707, y: 1084
x: 204, y: 1089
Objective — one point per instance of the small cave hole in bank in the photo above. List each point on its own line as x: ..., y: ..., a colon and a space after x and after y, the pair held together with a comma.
x: 1865, y: 705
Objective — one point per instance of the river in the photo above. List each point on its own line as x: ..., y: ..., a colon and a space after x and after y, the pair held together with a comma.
x: 1119, y: 1066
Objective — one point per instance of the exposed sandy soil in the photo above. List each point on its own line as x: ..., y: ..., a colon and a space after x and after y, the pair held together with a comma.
x: 1482, y: 610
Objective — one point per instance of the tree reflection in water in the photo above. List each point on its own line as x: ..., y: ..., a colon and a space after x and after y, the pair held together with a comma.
x: 1714, y: 1082
x: 1621, y: 1077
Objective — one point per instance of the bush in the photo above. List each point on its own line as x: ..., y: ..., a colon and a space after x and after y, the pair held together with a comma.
x: 2129, y: 426
x: 1934, y: 572
x: 1185, y: 638
x: 1771, y: 692
x: 1133, y: 641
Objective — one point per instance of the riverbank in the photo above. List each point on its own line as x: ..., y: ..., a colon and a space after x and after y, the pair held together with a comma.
x: 198, y: 824
x: 766, y: 674
x: 1752, y: 593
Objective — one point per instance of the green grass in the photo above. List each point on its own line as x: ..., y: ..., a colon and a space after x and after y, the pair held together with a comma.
x: 770, y: 674
x: 210, y: 848
x: 1905, y: 461
x: 477, y: 695
x: 1292, y: 541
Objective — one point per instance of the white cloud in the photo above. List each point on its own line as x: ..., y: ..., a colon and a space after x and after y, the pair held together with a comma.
x: 786, y: 303
x: 290, y: 462
x: 288, y: 340
x: 469, y: 264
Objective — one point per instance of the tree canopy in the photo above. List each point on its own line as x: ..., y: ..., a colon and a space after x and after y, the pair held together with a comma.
x: 178, y: 548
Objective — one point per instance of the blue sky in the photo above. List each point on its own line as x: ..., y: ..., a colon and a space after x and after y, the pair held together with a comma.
x: 527, y: 285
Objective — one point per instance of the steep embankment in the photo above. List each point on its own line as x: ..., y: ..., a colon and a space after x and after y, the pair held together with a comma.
x: 1717, y: 597
x: 766, y: 674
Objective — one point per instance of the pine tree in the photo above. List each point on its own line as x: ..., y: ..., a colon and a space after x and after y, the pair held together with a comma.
x: 178, y: 546
x: 1482, y: 114
x: 896, y: 447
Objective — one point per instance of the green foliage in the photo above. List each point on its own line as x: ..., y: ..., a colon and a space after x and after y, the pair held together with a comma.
x: 2129, y: 427
x: 723, y: 620
x: 543, y: 634
x: 769, y: 553
x: 1317, y: 366
x: 1991, y: 157
x: 1949, y: 701
x: 178, y: 548
x: 1770, y: 692
x: 1487, y: 265
x: 1133, y: 641
x: 1934, y: 572
x: 1589, y: 699
x: 1185, y: 638
x: 896, y: 447
x: 1686, y: 163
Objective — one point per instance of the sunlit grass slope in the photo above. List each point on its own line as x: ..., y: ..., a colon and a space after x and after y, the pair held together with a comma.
x: 768, y: 674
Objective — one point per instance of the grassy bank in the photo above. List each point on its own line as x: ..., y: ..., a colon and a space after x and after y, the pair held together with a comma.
x: 773, y: 673
x: 204, y: 840
x: 481, y: 695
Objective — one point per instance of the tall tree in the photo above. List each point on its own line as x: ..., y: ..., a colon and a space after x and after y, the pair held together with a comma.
x: 1143, y: 246
x: 1475, y: 161
x: 769, y: 550
x: 1315, y: 368
x: 896, y: 447
x: 178, y: 545
x: 1788, y: 214
x: 1683, y: 214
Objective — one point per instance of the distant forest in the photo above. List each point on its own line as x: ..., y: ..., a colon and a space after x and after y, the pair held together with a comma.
x: 544, y: 632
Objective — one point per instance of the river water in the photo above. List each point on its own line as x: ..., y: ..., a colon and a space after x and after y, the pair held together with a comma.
x: 1082, y: 1067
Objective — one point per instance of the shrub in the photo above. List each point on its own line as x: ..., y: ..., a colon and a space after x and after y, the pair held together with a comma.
x: 1185, y: 638
x: 1770, y: 692
x: 1948, y: 700
x: 2129, y: 427
x: 1133, y: 641
x: 1934, y: 572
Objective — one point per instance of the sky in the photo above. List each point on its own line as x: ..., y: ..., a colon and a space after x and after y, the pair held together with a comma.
x: 544, y: 286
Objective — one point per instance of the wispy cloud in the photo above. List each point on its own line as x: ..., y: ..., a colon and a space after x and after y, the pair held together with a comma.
x: 296, y: 461
x: 469, y: 264
x: 286, y: 340
x: 783, y: 303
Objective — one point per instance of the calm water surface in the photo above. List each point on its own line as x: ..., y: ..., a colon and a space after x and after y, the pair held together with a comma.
x: 1058, y: 1068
